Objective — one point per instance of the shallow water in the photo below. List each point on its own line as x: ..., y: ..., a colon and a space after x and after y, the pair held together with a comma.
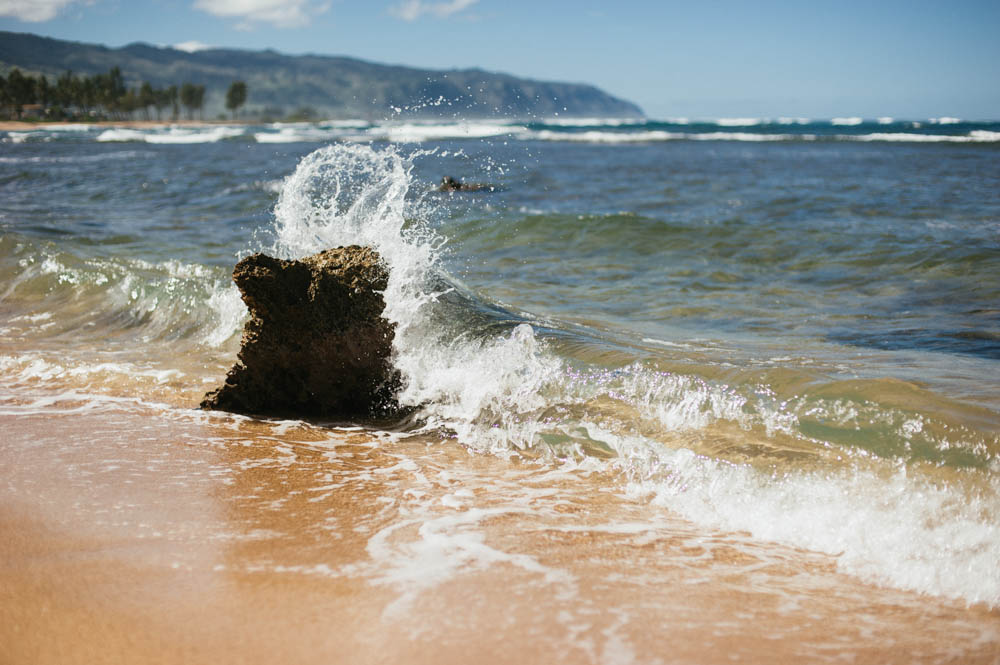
x: 775, y: 334
x: 169, y: 535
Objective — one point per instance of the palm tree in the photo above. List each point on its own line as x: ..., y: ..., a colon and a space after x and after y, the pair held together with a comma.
x: 236, y: 96
x: 147, y: 98
x: 20, y: 90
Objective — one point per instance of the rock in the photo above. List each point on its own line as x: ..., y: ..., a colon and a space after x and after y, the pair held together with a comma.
x: 449, y: 184
x: 316, y: 344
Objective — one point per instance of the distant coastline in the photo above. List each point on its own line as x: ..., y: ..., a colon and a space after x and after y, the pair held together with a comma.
x: 24, y: 126
x: 313, y: 87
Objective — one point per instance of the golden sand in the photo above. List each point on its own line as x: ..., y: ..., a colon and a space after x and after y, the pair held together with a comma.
x: 137, y: 536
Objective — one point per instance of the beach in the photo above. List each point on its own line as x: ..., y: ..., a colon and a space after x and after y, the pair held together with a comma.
x: 682, y: 393
x: 25, y: 125
x: 316, y: 544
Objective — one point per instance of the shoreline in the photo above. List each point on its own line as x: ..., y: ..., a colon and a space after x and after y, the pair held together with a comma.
x: 177, y: 536
x: 22, y: 125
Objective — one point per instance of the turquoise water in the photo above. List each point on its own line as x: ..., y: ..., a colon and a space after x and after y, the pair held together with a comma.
x: 788, y: 328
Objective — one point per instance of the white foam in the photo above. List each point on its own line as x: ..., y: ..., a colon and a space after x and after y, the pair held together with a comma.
x: 738, y: 122
x: 185, y: 135
x: 663, y: 342
x: 612, y: 137
x: 417, y: 132
x: 749, y: 136
x: 309, y: 133
x: 984, y: 136
x: 119, y: 134
x: 597, y: 136
x: 178, y: 135
x: 69, y: 127
x: 975, y: 136
x: 446, y: 546
x: 901, y: 531
x: 595, y: 122
x: 945, y: 121
x: 848, y: 122
x: 486, y: 392
x: 230, y: 313
x: 414, y: 132
x: 33, y: 367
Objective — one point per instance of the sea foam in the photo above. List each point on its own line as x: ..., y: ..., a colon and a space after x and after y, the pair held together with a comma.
x: 417, y: 132
x: 177, y: 135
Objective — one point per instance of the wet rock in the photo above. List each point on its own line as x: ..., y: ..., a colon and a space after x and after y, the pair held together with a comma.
x: 316, y: 345
x: 449, y: 184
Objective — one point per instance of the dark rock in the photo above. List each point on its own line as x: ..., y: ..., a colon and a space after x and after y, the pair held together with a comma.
x: 449, y: 184
x: 316, y: 344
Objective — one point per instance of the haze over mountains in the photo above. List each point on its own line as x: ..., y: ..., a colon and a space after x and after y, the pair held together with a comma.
x: 328, y: 86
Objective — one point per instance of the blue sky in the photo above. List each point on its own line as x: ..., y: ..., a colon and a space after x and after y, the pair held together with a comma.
x: 815, y: 59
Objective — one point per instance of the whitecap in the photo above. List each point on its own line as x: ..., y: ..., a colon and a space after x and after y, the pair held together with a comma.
x: 596, y: 136
x: 120, y: 134
x: 976, y: 136
x: 173, y: 135
x: 417, y: 132
x: 748, y: 136
x: 594, y: 122
x: 309, y: 133
x: 184, y: 135
x: 738, y: 122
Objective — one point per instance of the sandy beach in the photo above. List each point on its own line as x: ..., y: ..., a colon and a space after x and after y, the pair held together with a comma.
x: 179, y: 537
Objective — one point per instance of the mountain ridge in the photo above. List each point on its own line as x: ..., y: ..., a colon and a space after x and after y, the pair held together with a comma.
x: 328, y: 85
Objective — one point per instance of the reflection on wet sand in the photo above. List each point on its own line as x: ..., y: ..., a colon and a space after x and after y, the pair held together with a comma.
x: 178, y: 536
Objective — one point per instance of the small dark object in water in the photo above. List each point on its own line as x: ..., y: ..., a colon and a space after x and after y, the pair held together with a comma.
x: 316, y: 344
x: 449, y: 184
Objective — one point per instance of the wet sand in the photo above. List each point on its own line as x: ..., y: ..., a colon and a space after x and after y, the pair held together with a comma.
x: 132, y: 534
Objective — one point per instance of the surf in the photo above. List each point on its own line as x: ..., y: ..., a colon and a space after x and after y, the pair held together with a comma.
x: 794, y: 469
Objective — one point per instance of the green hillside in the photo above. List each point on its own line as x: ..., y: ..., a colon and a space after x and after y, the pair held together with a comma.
x: 332, y: 87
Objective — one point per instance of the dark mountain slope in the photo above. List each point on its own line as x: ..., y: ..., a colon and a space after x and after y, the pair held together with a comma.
x: 332, y: 86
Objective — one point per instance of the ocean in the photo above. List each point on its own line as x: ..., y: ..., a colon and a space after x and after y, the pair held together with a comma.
x: 755, y: 360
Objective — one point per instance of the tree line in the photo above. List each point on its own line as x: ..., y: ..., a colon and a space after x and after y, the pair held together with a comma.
x: 102, y: 97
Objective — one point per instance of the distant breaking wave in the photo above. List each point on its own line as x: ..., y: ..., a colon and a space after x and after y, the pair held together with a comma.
x: 576, y: 130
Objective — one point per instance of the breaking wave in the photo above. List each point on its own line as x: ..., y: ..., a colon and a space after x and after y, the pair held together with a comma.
x: 900, y: 498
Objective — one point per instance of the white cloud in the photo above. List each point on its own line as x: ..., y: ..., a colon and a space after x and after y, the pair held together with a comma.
x: 411, y: 10
x: 279, y: 13
x: 192, y: 46
x: 35, y: 11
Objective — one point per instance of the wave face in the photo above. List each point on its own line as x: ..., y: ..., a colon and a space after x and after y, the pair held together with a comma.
x: 581, y: 130
x: 800, y: 344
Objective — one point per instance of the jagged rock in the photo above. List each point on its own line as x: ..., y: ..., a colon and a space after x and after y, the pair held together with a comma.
x: 316, y: 344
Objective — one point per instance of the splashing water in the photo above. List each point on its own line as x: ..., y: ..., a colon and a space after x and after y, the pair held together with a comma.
x: 729, y: 456
x: 353, y: 194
